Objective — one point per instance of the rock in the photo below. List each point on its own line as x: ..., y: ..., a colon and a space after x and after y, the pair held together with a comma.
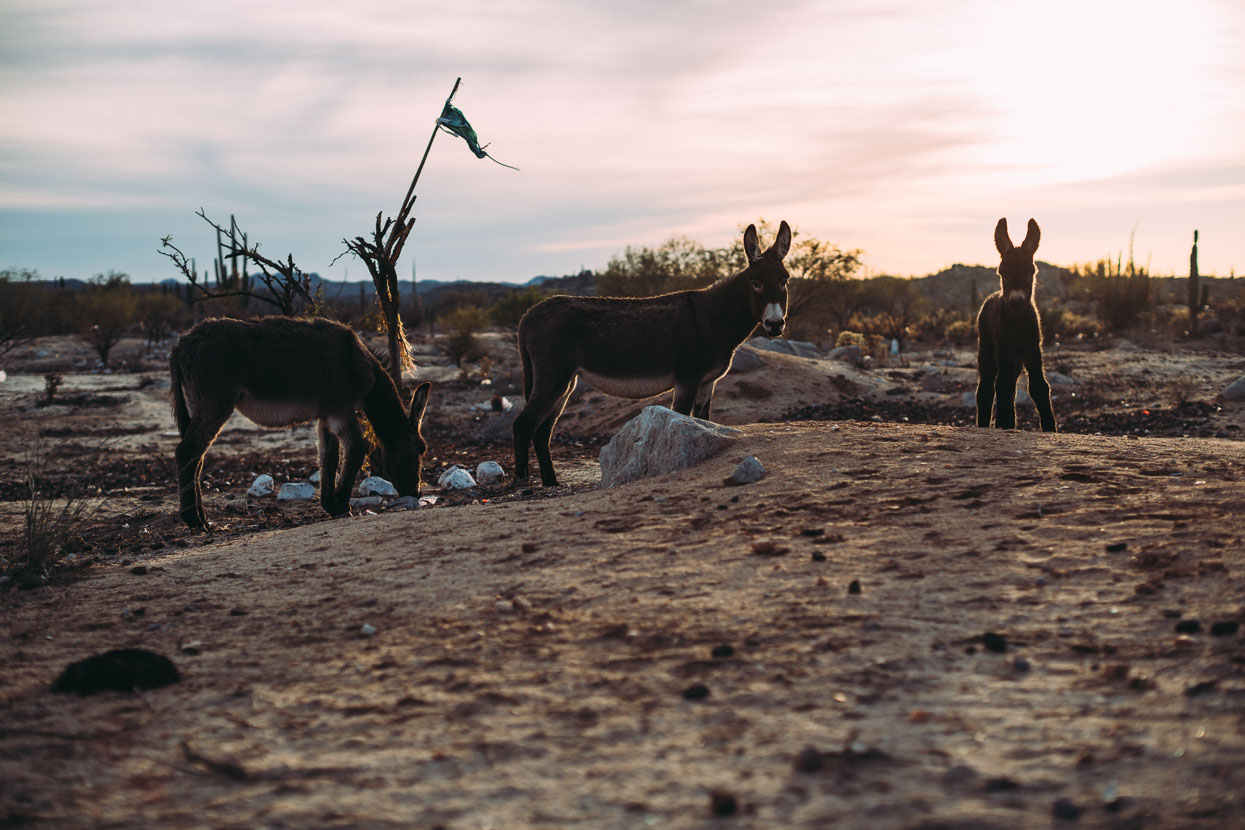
x: 969, y: 399
x: 367, y: 503
x: 748, y: 472
x: 376, y: 486
x: 1022, y: 396
x: 296, y: 491
x: 848, y: 354
x: 994, y: 642
x: 314, y: 478
x: 119, y: 670
x: 1188, y: 627
x: 1059, y: 379
x: 746, y: 360
x: 456, y: 478
x: 809, y: 760
x: 1235, y: 391
x: 262, y: 486
x: 697, y: 691
x: 794, y: 347
x: 659, y: 441
x: 238, y: 507
x: 403, y: 503
x: 1064, y: 809
x: 490, y: 473
x: 722, y: 804
x: 1224, y: 629
x: 367, y: 630
x: 853, y: 587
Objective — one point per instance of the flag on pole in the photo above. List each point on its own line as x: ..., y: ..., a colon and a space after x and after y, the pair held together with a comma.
x: 453, y: 121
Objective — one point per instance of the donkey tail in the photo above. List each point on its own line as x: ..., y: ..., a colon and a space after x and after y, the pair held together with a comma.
x: 176, y: 396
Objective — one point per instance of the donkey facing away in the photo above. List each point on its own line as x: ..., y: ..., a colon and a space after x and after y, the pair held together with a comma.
x: 278, y: 372
x: 1009, y: 331
x: 639, y: 347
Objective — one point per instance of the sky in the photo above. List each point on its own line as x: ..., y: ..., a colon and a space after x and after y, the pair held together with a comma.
x: 904, y: 129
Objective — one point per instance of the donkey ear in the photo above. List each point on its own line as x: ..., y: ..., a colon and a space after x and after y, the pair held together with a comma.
x: 1001, y: 240
x: 1032, y: 238
x: 752, y: 248
x: 419, y: 402
x: 782, y: 242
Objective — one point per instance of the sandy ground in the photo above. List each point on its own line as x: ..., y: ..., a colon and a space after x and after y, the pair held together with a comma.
x: 670, y: 653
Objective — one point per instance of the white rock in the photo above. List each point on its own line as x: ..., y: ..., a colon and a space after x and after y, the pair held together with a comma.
x: 296, y: 491
x: 489, y: 473
x: 658, y: 441
x: 376, y: 486
x: 367, y: 630
x: 428, y: 501
x: 456, y: 478
x: 1060, y: 379
x: 748, y: 471
x: 1235, y: 391
x: 314, y: 478
x: 262, y: 486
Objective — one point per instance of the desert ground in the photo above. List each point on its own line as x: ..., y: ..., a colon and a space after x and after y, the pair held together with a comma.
x: 909, y: 622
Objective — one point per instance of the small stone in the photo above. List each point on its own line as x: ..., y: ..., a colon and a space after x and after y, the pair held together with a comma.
x: 403, y: 503
x: 698, y: 691
x: 262, y: 486
x: 1020, y: 664
x: 999, y: 785
x: 366, y: 503
x: 238, y: 612
x: 994, y: 642
x: 1117, y: 547
x: 749, y: 471
x: 138, y: 570
x: 768, y: 548
x: 529, y: 547
x: 456, y: 478
x: 193, y: 648
x: 960, y: 775
x: 809, y: 760
x: 813, y: 531
x: 377, y: 486
x: 722, y: 651
x: 237, y: 507
x: 490, y: 473
x: 504, y: 605
x: 1188, y: 627
x: 723, y: 804
x: 1116, y: 671
x: 296, y: 491
x: 853, y: 587
x: 367, y: 630
x: 1225, y: 628
x: 818, y: 556
x: 314, y: 478
x: 1065, y: 809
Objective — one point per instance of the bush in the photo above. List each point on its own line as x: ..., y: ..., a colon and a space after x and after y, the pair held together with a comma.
x: 849, y: 338
x: 51, y: 526
x: 460, y: 342
x: 107, y: 308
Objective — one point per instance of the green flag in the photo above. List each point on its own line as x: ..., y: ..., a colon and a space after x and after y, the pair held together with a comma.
x: 453, y: 121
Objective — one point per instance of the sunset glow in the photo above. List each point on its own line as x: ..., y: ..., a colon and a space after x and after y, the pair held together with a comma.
x: 905, y: 129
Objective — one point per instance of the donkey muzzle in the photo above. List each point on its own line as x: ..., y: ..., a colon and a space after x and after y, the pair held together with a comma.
x: 773, y: 320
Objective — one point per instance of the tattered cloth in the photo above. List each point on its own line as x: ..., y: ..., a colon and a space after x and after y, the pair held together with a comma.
x: 452, y: 120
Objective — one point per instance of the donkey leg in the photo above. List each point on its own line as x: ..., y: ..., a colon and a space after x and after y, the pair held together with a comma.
x: 1039, y: 390
x: 704, y: 399
x: 1005, y: 394
x: 197, y: 437
x: 329, y: 449
x: 544, y: 432
x: 545, y: 396
x: 355, y: 446
x: 987, y: 372
x: 685, y: 393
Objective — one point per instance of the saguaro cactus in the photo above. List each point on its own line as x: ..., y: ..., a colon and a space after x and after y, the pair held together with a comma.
x: 1195, y: 296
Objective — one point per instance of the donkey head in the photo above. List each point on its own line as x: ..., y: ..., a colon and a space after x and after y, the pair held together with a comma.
x: 1016, y: 271
x: 403, y: 458
x: 767, y: 279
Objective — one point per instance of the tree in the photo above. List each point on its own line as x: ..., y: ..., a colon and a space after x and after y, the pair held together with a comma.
x: 18, y: 305
x: 677, y: 264
x: 507, y: 311
x: 107, y: 309
x: 463, y: 324
x: 896, y: 305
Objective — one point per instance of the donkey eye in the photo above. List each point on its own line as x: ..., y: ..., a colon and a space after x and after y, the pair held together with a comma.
x: 756, y: 285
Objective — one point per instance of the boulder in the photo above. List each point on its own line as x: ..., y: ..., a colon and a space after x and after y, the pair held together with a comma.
x: 456, y: 478
x: 746, y: 360
x: 403, y: 503
x: 1059, y: 379
x: 1235, y: 391
x: 490, y: 473
x: 848, y: 354
x: 376, y: 486
x: 659, y: 441
x: 296, y: 491
x: 799, y: 348
x: 262, y: 486
x: 367, y: 503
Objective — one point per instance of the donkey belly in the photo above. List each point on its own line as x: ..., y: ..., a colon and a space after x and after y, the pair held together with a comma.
x: 623, y: 386
x: 277, y: 413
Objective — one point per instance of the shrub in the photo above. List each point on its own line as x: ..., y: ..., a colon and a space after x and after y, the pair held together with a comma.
x: 850, y: 338
x: 460, y: 341
x: 51, y: 526
x: 107, y: 308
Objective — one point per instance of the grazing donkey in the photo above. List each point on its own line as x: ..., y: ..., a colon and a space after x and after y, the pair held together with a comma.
x: 1009, y: 336
x: 635, y: 348
x: 279, y: 371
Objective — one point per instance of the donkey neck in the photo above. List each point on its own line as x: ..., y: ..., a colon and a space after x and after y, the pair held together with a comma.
x: 383, y: 407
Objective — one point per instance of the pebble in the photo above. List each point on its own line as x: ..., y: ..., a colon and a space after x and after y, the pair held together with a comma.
x: 367, y: 630
x: 723, y: 804
x: 1021, y: 664
x: 138, y: 570
x: 749, y: 471
x: 994, y: 642
x: 1225, y: 628
x: 1117, y: 547
x: 809, y: 760
x: 722, y: 651
x: 262, y: 486
x: 818, y: 556
x: 1065, y: 809
x: 193, y: 648
x: 377, y: 486
x: 854, y: 587
x: 404, y: 503
x: 1188, y: 627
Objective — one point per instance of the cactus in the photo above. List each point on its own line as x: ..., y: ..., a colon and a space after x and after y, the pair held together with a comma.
x: 1194, y: 293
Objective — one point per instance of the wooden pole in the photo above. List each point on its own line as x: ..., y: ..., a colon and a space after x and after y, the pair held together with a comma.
x: 410, y: 191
